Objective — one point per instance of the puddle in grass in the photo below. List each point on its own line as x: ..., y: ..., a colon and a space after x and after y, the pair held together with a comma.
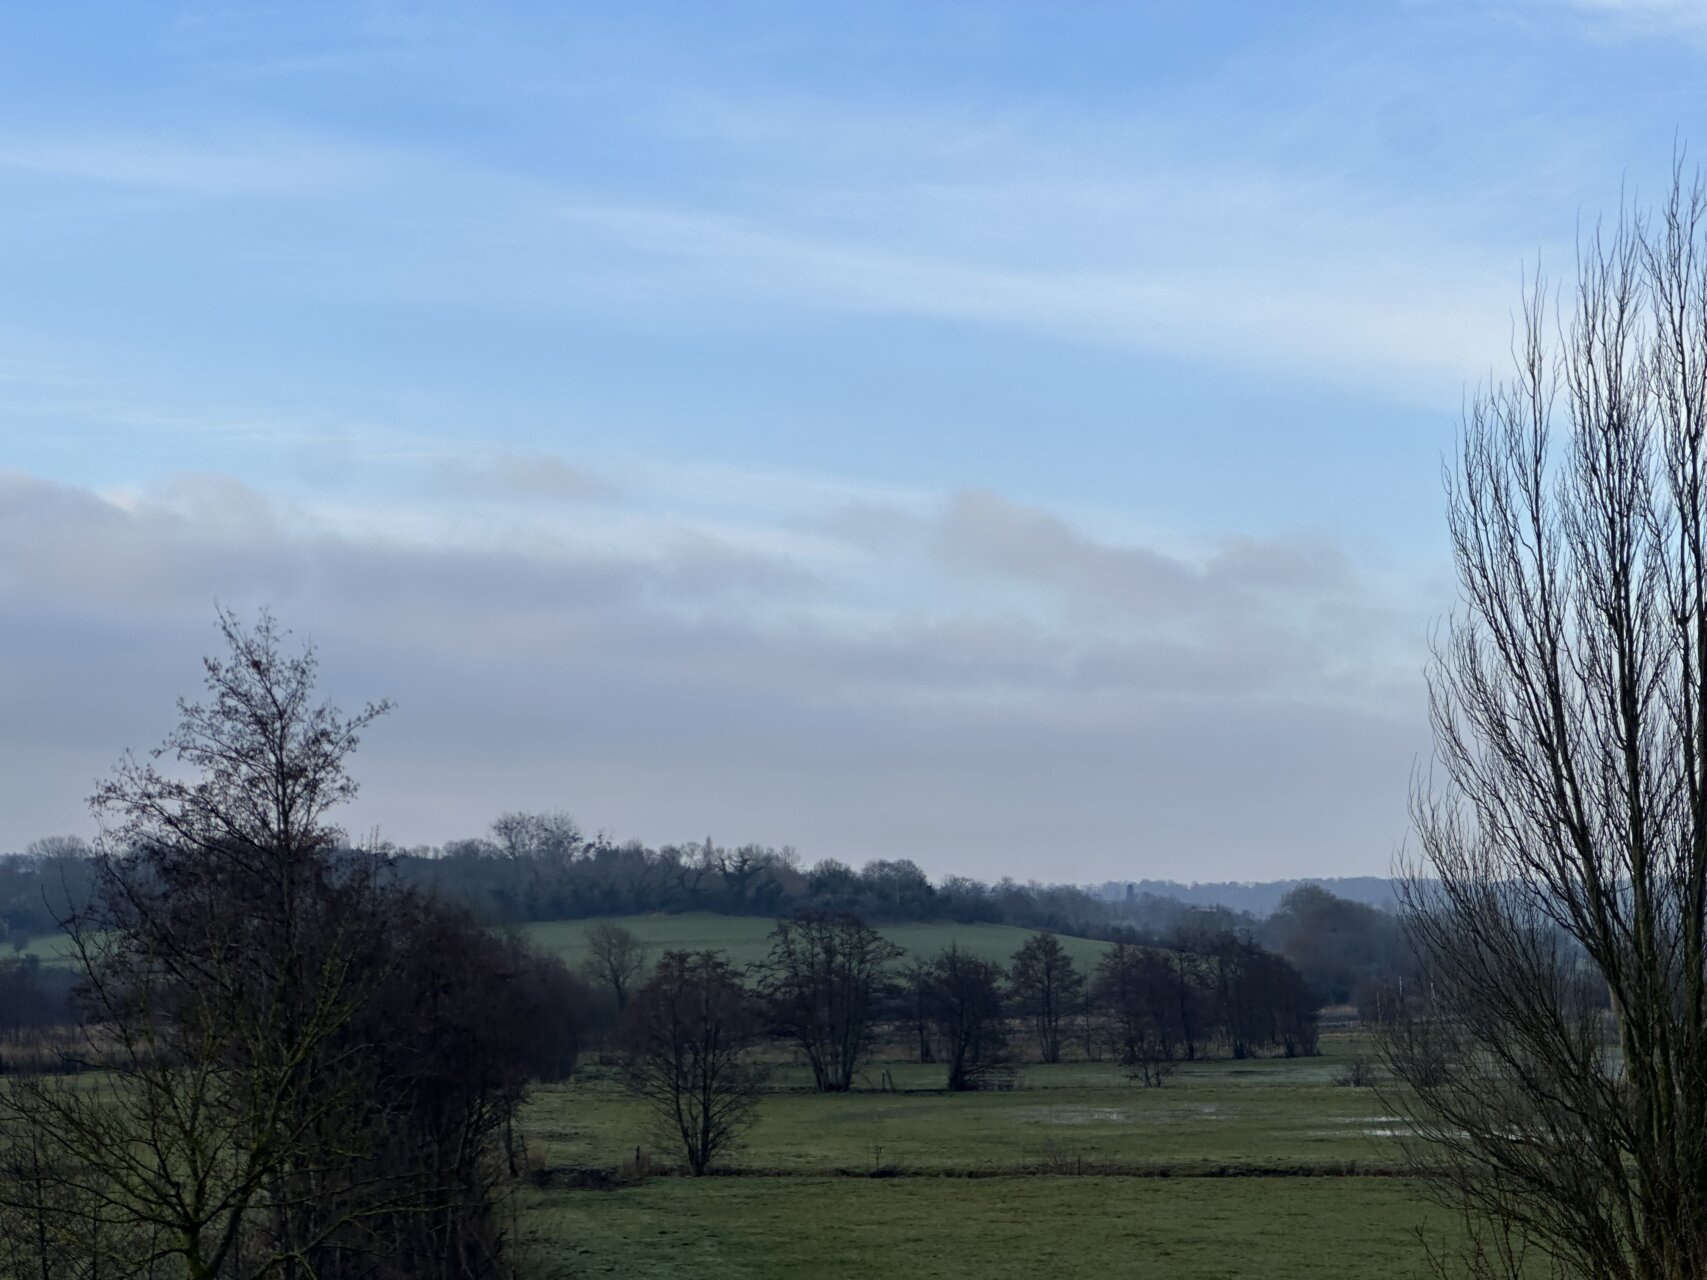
x: 1368, y: 1127
x: 1076, y: 1115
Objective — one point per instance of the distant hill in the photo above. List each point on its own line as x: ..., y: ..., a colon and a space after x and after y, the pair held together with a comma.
x: 746, y: 939
x: 1260, y: 898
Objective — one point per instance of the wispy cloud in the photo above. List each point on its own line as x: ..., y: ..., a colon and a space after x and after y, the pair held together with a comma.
x: 501, y: 476
x: 1233, y: 261
x: 1639, y: 18
x: 256, y: 162
x: 1683, y: 13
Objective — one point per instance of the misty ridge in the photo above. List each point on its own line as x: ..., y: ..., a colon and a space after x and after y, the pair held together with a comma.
x: 541, y: 867
x: 499, y: 878
x: 1254, y: 897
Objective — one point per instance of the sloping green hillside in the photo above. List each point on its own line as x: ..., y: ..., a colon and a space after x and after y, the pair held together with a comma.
x: 49, y: 948
x: 744, y: 939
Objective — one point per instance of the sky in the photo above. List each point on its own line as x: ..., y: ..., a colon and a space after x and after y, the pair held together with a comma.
x: 1006, y: 436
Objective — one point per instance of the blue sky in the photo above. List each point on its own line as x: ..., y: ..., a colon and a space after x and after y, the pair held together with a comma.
x: 1006, y: 436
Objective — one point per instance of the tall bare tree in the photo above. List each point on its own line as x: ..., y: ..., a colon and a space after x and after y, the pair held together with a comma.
x: 686, y: 1038
x: 1135, y: 988
x: 298, y: 1069
x: 222, y: 953
x: 823, y: 982
x: 1047, y: 989
x: 966, y: 998
x: 1554, y: 1057
x: 615, y: 959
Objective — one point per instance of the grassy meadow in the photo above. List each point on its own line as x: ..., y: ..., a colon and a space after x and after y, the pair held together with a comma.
x: 1260, y: 1116
x: 1231, y: 1168
x: 745, y: 939
x: 1264, y: 1166
x: 1010, y: 1228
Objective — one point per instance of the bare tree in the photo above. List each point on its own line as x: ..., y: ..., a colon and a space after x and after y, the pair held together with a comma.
x: 543, y: 838
x: 916, y: 1003
x: 1554, y: 1055
x: 967, y: 999
x: 822, y: 983
x: 1135, y: 988
x: 1047, y: 989
x: 686, y: 1039
x: 298, y: 1070
x: 542, y: 848
x: 220, y: 957
x: 615, y: 959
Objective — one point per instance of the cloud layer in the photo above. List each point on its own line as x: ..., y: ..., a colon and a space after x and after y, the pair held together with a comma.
x: 997, y: 434
x: 964, y: 680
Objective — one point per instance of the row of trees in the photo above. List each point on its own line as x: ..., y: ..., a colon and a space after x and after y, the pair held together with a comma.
x: 832, y: 983
x: 42, y: 885
x: 1346, y: 951
x: 541, y: 866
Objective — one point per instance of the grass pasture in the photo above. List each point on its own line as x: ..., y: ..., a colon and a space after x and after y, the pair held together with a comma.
x: 49, y: 948
x: 988, y: 1228
x: 1232, y: 1168
x: 1261, y: 1117
x: 746, y: 939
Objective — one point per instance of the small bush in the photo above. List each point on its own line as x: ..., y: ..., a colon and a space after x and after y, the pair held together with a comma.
x: 1359, y: 1073
x: 635, y: 1168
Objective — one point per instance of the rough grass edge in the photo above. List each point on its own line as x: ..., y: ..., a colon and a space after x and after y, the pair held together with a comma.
x: 604, y: 1178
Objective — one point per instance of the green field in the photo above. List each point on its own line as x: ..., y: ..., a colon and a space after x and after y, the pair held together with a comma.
x: 745, y: 939
x: 49, y: 948
x: 1263, y: 1166
x: 1230, y: 1168
x: 1233, y: 1168
x: 988, y: 1229
x: 1257, y: 1116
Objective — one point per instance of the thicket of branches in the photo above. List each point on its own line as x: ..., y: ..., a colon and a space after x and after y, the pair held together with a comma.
x: 291, y: 1065
x: 1556, y: 1057
x: 686, y: 1041
x: 823, y: 986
